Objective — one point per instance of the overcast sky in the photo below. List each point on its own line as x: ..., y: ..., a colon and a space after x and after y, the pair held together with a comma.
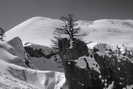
x: 12, y: 12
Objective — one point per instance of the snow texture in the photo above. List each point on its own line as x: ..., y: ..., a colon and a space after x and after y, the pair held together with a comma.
x: 40, y: 30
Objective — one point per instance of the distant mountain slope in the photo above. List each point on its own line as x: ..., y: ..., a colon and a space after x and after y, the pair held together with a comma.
x: 111, y: 31
x: 39, y: 30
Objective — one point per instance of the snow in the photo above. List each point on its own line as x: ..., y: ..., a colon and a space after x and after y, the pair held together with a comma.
x: 7, y: 82
x: 92, y: 45
x: 4, y: 45
x: 17, y: 44
x: 40, y: 30
x: 4, y: 54
x: 107, y: 30
x: 39, y: 78
x: 11, y: 54
x: 12, y: 75
x: 33, y: 77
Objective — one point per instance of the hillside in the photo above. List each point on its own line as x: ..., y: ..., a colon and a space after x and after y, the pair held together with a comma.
x: 39, y: 30
x: 105, y: 61
x: 15, y: 74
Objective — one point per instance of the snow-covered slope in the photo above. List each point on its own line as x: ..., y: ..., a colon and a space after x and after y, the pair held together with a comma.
x: 40, y: 79
x: 8, y: 54
x: 12, y: 75
x: 14, y: 52
x: 39, y: 30
x: 7, y: 82
x: 111, y: 31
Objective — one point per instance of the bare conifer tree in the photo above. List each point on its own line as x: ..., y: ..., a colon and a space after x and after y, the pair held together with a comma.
x: 69, y: 29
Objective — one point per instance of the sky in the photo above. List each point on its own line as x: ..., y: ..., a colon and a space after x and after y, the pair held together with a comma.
x: 13, y: 12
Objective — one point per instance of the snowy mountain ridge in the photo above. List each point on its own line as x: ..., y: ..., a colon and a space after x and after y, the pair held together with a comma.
x: 39, y: 30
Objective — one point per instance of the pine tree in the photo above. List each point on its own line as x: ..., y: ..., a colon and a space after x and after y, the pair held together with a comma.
x: 70, y: 48
x: 70, y: 30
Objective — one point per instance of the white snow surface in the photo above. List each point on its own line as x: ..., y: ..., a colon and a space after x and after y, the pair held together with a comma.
x: 11, y: 53
x: 39, y: 30
x: 40, y: 79
x: 4, y: 51
x: 18, y: 49
x: 12, y: 75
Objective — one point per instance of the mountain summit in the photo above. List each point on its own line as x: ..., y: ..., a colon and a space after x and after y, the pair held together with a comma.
x: 38, y: 30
